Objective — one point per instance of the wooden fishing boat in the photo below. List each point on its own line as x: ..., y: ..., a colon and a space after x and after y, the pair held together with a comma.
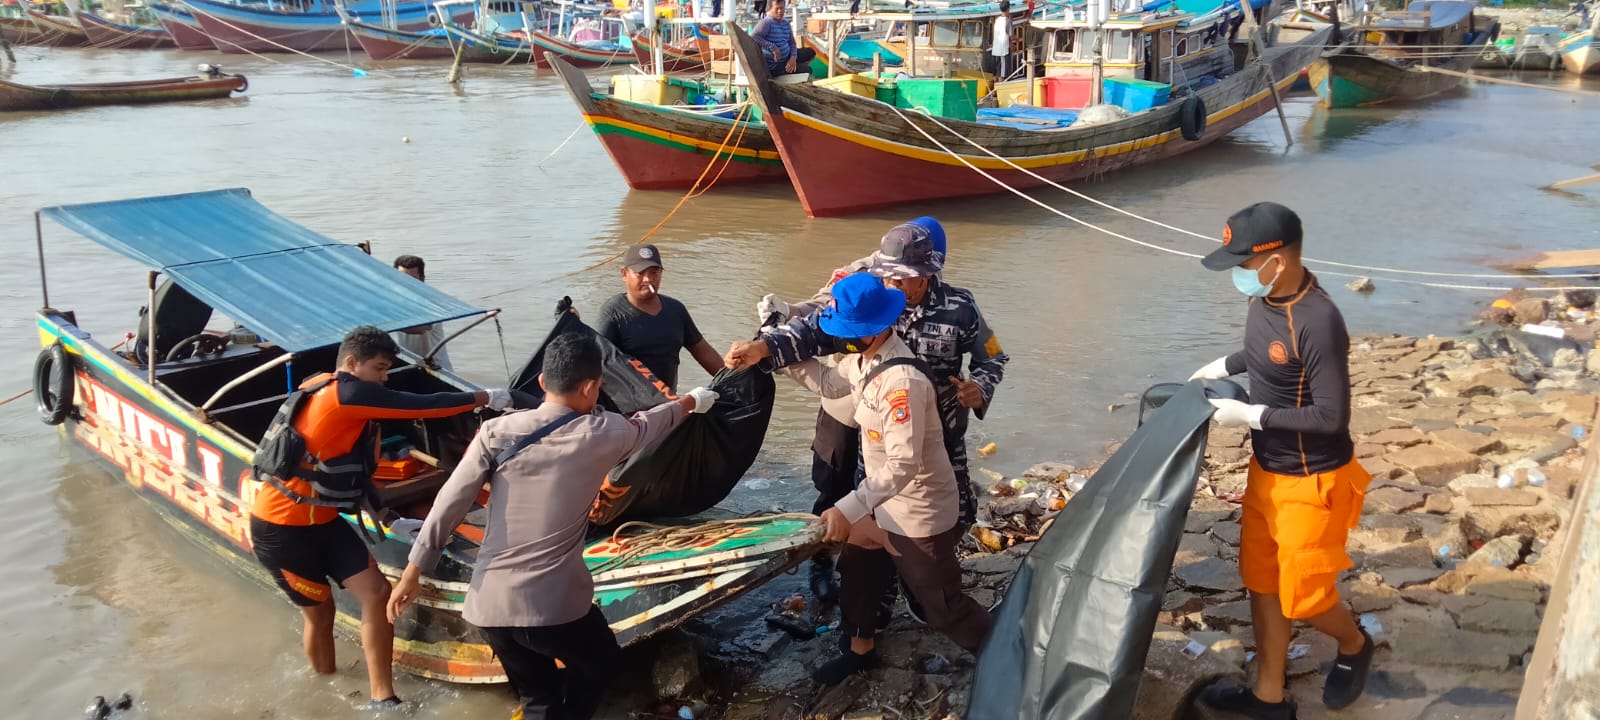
x: 1391, y: 60
x: 847, y: 153
x: 180, y: 24
x: 106, y: 34
x: 675, y: 59
x: 497, y: 48
x: 1539, y: 48
x: 181, y: 430
x: 380, y: 43
x: 1580, y: 53
x: 209, y: 86
x: 250, y: 28
x: 661, y: 147
x: 18, y: 28
x: 57, y: 31
x: 590, y: 55
x: 1495, y: 55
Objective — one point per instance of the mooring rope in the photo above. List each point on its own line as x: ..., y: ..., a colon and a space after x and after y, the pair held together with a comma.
x: 1171, y: 251
x: 672, y: 538
x: 277, y: 44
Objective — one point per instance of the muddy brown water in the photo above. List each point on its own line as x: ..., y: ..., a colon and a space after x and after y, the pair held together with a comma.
x: 98, y: 595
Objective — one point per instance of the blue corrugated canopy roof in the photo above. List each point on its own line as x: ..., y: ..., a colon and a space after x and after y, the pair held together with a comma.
x: 290, y: 285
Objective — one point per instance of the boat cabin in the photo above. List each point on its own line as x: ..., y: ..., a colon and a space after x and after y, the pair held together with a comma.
x: 937, y: 42
x: 243, y: 307
x: 1422, y: 30
x: 1152, y: 50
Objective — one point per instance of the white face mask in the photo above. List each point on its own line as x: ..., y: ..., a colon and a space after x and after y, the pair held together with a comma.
x: 1248, y: 281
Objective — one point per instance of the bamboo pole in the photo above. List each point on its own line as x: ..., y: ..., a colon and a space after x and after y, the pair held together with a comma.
x: 1482, y: 78
x: 1574, y: 182
x: 455, y: 67
x: 6, y: 46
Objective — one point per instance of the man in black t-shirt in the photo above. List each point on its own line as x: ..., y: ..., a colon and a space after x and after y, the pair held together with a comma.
x: 650, y: 326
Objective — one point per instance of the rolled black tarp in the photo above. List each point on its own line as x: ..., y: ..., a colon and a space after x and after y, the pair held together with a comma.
x: 1071, y: 635
x: 695, y: 466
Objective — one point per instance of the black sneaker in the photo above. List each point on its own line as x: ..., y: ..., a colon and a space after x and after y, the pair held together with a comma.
x: 837, y: 670
x: 1348, y: 678
x: 1243, y: 701
x: 823, y: 583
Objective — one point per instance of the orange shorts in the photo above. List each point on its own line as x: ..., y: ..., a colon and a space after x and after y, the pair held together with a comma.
x: 1293, y: 533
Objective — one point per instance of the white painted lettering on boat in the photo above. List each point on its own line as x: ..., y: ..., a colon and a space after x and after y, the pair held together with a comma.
x: 154, y: 456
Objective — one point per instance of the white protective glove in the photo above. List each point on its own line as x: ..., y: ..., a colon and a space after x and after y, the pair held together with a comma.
x: 1233, y: 412
x: 1215, y: 370
x: 703, y: 399
x: 770, y: 304
x: 499, y: 399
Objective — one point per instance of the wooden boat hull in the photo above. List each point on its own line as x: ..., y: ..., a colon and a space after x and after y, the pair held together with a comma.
x: 197, y: 477
x: 1492, y: 58
x: 106, y: 34
x: 384, y: 44
x: 15, y: 96
x: 241, y: 29
x: 54, y: 31
x: 501, y: 50
x: 658, y: 148
x: 846, y: 153
x: 1580, y: 54
x: 23, y: 31
x: 576, y: 55
x: 184, y: 29
x: 1348, y: 77
x: 1535, y: 58
x: 674, y: 59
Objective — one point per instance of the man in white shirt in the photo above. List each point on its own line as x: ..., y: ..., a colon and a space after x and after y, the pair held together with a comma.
x: 1000, y: 47
x: 422, y: 338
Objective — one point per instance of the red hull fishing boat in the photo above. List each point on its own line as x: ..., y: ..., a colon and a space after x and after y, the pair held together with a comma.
x: 179, y: 416
x: 181, y: 25
x: 244, y: 28
x: 847, y: 153
x: 18, y: 28
x: 106, y: 34
x: 578, y: 55
x: 57, y: 31
x: 211, y: 86
x: 661, y: 147
x: 674, y: 59
x: 381, y: 43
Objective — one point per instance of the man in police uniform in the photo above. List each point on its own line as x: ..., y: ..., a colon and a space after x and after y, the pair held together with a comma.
x: 940, y: 324
x: 836, y: 442
x: 903, y: 517
x: 1305, y: 488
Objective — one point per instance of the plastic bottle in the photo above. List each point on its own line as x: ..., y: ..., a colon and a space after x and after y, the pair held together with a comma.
x: 1075, y: 482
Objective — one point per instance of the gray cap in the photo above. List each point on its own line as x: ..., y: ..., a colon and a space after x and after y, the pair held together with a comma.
x: 640, y: 258
x: 906, y: 252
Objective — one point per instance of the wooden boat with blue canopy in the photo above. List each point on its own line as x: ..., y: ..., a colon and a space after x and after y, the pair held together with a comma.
x: 178, y: 414
x: 1396, y: 52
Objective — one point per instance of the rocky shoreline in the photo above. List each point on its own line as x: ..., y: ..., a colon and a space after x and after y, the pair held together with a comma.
x: 1475, y: 445
x: 1515, y: 21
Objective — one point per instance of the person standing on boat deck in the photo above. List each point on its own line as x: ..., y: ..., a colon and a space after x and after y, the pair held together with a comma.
x: 295, y: 528
x: 903, y: 517
x: 836, y: 443
x: 531, y: 594
x: 1000, y: 47
x: 650, y: 326
x: 422, y: 338
x: 941, y: 324
x: 776, y: 37
x: 1305, y: 488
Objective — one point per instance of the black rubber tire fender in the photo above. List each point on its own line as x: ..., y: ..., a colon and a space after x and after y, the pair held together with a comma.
x: 53, y: 384
x: 1192, y: 118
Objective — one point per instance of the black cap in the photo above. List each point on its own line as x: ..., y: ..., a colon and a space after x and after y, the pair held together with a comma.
x: 1260, y: 228
x: 906, y: 252
x: 640, y: 258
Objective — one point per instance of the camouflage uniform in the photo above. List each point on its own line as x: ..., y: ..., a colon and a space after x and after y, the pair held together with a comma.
x: 939, y: 330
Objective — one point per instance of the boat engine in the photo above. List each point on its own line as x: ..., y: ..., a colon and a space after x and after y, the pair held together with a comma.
x: 208, y: 70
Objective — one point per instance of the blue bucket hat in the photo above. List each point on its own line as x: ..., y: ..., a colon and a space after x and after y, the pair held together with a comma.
x: 935, y: 233
x: 862, y: 307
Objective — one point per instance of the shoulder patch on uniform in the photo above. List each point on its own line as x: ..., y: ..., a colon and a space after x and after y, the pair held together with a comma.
x: 899, y: 405
x: 992, y: 346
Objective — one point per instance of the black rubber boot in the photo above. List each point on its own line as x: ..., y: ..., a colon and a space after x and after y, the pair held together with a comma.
x: 835, y: 671
x: 824, y: 584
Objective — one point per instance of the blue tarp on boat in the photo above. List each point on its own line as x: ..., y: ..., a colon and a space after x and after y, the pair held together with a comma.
x: 290, y: 285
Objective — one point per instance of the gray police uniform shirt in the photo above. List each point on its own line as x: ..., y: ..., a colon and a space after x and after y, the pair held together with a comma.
x: 530, y: 570
x: 910, y: 488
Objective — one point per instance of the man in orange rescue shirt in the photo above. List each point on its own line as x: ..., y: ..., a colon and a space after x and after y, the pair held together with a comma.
x: 304, y: 544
